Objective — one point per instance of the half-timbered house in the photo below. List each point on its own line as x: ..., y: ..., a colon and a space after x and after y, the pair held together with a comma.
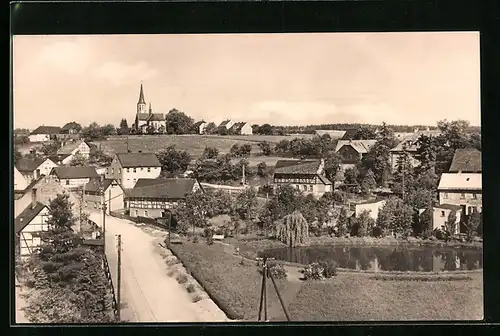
x: 307, y: 176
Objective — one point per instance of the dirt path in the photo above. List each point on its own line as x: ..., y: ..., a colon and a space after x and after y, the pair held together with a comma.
x: 148, y: 294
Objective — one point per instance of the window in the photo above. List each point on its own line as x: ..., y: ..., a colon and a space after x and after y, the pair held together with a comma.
x: 445, y: 195
x: 462, y: 196
x: 442, y: 213
x: 298, y: 187
x: 304, y: 187
x: 67, y: 182
x: 474, y: 196
x: 149, y: 169
x: 107, y: 170
x: 136, y: 213
x: 145, y: 213
x: 135, y: 170
x: 311, y: 188
x: 128, y: 170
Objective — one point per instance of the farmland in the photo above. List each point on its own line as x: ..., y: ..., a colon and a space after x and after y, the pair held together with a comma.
x: 194, y: 144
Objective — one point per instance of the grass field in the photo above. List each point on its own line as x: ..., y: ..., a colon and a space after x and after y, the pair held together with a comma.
x: 194, y: 144
x: 346, y: 297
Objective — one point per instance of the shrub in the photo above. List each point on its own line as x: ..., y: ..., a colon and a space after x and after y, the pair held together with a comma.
x: 320, y: 270
x: 182, y: 278
x: 329, y: 268
x: 276, y: 270
x: 190, y: 288
x: 208, y: 232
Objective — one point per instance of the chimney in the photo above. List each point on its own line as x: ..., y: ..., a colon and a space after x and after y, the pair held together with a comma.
x: 33, y: 198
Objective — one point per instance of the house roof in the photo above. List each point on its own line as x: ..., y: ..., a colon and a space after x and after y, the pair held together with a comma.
x: 58, y: 157
x: 143, y: 116
x: 27, y: 165
x: 130, y: 160
x: 199, y: 123
x: 69, y: 126
x: 95, y: 184
x: 360, y: 146
x: 74, y: 172
x: 156, y: 117
x: 236, y: 127
x: 46, y: 130
x: 224, y: 123
x: 297, y: 167
x: 70, y: 147
x: 349, y: 133
x: 334, y: 134
x: 449, y: 206
x: 410, y: 141
x: 466, y: 160
x: 171, y: 188
x: 460, y: 181
x: 27, y: 215
x: 324, y: 180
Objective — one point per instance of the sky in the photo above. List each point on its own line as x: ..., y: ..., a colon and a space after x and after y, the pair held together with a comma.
x: 281, y: 79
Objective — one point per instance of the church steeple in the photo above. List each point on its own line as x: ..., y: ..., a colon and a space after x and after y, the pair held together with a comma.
x: 141, y: 104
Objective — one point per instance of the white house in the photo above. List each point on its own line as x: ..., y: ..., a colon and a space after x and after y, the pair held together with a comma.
x: 240, y: 128
x: 440, y: 215
x: 373, y: 206
x: 44, y: 133
x: 20, y: 182
x: 463, y: 189
x: 128, y: 168
x: 32, y: 220
x: 228, y: 123
x: 32, y: 169
x: 202, y: 125
x: 71, y: 148
x: 73, y: 177
x: 98, y: 188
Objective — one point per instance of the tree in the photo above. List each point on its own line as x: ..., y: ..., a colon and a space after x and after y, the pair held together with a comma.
x: 342, y: 223
x: 332, y: 165
x: 17, y: 155
x: 178, y: 122
x: 450, y: 226
x: 245, y: 150
x: 351, y: 175
x: 174, y: 161
x: 235, y: 150
x: 255, y: 129
x: 210, y: 153
x: 51, y: 147
x: 368, y: 183
x: 293, y: 229
x: 472, y: 224
x: 211, y: 128
x: 246, y: 203
x: 378, y: 158
x: 266, y: 129
x: 265, y: 148
x: 403, y: 177
x: 426, y: 222
x: 403, y: 220
x: 262, y: 169
x: 123, y: 128
x: 386, y: 216
x: 364, y: 133
x: 97, y: 156
x: 92, y: 132
x: 282, y: 147
x: 285, y: 200
x: 363, y: 224
x: 78, y: 160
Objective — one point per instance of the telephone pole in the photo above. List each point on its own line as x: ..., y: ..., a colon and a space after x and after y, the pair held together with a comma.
x: 103, y: 202
x: 109, y: 200
x: 119, y: 277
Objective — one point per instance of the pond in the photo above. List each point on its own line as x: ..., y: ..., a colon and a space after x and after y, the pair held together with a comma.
x: 384, y: 258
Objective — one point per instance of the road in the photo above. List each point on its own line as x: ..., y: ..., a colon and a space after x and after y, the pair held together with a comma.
x: 148, y: 294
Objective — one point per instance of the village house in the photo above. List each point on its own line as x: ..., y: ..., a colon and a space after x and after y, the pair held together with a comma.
x: 32, y: 169
x: 44, y: 133
x: 440, y: 215
x: 150, y: 198
x: 350, y: 133
x: 200, y: 126
x: 97, y: 188
x: 128, y: 168
x: 410, y: 145
x: 351, y: 151
x: 32, y: 220
x: 73, y: 177
x: 240, y: 128
x: 147, y: 119
x: 225, y: 126
x: 462, y: 185
x: 372, y: 206
x: 20, y: 182
x: 70, y: 131
x: 305, y: 175
x: 71, y: 148
x: 334, y: 134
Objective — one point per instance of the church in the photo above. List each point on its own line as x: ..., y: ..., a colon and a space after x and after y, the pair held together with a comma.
x: 145, y: 120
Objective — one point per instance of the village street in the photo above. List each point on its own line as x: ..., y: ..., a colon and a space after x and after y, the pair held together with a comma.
x: 148, y: 294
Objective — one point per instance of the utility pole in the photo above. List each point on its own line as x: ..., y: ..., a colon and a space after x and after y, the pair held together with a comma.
x: 103, y: 202
x: 119, y: 277
x: 109, y: 200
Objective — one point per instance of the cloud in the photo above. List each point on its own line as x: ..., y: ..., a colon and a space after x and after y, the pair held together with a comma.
x: 65, y: 56
x: 120, y: 73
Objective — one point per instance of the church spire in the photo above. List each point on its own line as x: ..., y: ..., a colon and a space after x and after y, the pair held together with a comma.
x: 141, y: 96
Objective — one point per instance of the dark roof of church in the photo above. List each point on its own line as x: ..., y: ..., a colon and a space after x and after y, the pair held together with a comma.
x: 141, y: 96
x: 156, y: 117
x: 143, y: 116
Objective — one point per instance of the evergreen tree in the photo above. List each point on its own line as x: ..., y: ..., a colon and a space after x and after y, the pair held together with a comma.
x: 450, y: 225
x: 368, y: 183
x: 123, y: 127
x: 342, y: 223
x: 363, y: 224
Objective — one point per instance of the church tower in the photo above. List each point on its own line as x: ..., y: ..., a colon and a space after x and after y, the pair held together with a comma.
x: 141, y: 104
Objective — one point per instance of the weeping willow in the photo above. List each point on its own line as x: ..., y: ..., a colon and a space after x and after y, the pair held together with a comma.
x: 293, y: 229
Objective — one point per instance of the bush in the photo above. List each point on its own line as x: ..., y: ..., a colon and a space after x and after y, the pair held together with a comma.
x: 329, y: 268
x: 208, y: 232
x: 439, y: 234
x: 182, y: 278
x: 320, y: 270
x: 190, y: 288
x: 276, y: 270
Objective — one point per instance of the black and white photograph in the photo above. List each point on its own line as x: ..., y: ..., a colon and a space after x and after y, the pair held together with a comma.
x: 267, y: 177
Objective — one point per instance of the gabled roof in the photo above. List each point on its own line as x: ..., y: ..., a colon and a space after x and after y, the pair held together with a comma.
x: 297, y: 167
x: 457, y: 181
x: 70, y: 147
x: 131, y: 160
x: 156, y: 117
x: 74, y: 172
x: 27, y: 165
x: 95, y: 184
x: 199, y: 123
x: 224, y: 123
x: 466, y: 160
x: 70, y: 125
x: 143, y: 116
x: 236, y: 127
x: 58, y: 157
x: 349, y: 133
x: 27, y: 215
x: 360, y: 146
x: 171, y: 188
x: 410, y: 141
x: 46, y: 130
x: 334, y: 134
